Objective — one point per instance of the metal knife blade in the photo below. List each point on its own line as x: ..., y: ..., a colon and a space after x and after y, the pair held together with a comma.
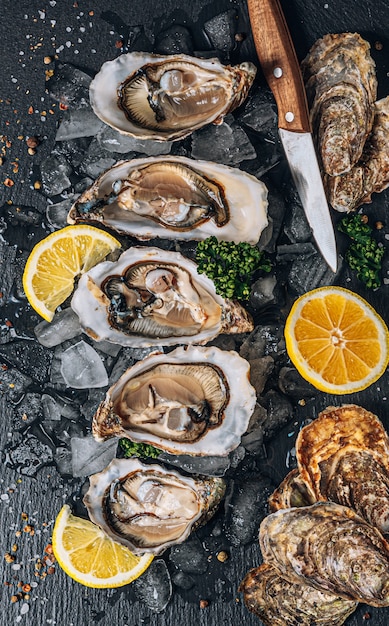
x: 280, y: 66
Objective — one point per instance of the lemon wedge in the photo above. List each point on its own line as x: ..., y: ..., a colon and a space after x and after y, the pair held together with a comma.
x: 58, y: 259
x: 92, y: 558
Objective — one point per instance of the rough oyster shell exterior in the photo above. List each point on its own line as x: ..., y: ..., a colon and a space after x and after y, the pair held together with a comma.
x: 277, y: 601
x: 343, y: 456
x: 341, y: 86
x: 371, y: 174
x: 329, y: 547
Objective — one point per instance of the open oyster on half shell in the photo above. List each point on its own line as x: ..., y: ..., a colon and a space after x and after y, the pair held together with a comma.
x: 166, y: 97
x: 175, y: 197
x: 147, y: 507
x: 278, y: 602
x: 153, y: 297
x: 343, y: 456
x: 195, y: 401
x: 330, y: 547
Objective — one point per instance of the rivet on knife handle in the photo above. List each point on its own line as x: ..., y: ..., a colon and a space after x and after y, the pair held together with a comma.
x: 279, y: 64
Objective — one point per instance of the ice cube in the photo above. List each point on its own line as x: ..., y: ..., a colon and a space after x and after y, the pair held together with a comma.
x: 78, y: 123
x: 227, y: 144
x: 154, y: 587
x: 205, y: 465
x: 55, y: 172
x: 65, y: 325
x: 221, y: 31
x: 113, y: 141
x: 82, y: 368
x: 57, y: 213
x: 174, y: 40
x: 190, y: 556
x: 7, y: 270
x: 69, y: 85
x: 90, y: 456
x: 246, y: 506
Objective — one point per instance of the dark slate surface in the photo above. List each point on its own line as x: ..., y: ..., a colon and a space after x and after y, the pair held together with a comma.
x: 28, y: 32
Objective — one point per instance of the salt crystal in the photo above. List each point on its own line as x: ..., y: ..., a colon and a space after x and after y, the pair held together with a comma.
x: 24, y: 608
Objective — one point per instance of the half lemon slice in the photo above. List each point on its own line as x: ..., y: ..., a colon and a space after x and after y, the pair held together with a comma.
x: 92, y: 558
x: 56, y: 261
x: 336, y: 340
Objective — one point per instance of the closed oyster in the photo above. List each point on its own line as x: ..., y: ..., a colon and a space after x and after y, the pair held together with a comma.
x: 167, y: 97
x: 153, y: 297
x: 371, y: 174
x: 343, y: 456
x: 292, y: 492
x: 194, y: 401
x: 147, y: 507
x: 341, y: 86
x: 279, y: 602
x: 329, y: 547
x: 177, y: 198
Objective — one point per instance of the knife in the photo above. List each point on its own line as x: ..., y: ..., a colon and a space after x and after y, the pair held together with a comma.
x: 281, y: 69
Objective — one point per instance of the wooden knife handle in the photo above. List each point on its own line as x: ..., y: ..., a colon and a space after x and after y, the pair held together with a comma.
x: 279, y: 63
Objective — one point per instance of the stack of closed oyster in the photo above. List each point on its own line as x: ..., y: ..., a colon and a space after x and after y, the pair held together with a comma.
x: 324, y: 545
x: 351, y: 129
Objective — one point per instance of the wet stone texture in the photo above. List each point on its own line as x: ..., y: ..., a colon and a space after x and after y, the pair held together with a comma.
x: 53, y: 377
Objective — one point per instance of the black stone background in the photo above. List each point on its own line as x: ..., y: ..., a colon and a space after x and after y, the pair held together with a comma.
x: 30, y: 30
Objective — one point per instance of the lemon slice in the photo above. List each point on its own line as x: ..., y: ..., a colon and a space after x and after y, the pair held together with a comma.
x: 92, y: 558
x: 56, y: 261
x: 336, y: 340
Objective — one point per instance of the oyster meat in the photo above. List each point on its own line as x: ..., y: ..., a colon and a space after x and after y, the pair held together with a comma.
x: 341, y: 86
x: 147, y: 507
x: 371, y: 174
x: 279, y: 602
x: 343, y: 456
x: 176, y: 198
x: 194, y: 401
x: 167, y: 97
x: 330, y: 547
x: 154, y: 297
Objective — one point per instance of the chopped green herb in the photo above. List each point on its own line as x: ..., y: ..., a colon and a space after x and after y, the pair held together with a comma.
x: 363, y: 255
x: 143, y: 450
x: 230, y: 266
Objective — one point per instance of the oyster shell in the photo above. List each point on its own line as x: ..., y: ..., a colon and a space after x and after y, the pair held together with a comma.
x: 278, y: 602
x: 167, y: 97
x: 292, y: 492
x: 341, y: 86
x: 147, y: 507
x: 343, y: 456
x: 154, y: 297
x: 329, y: 547
x: 371, y: 174
x: 176, y: 197
x: 194, y: 401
